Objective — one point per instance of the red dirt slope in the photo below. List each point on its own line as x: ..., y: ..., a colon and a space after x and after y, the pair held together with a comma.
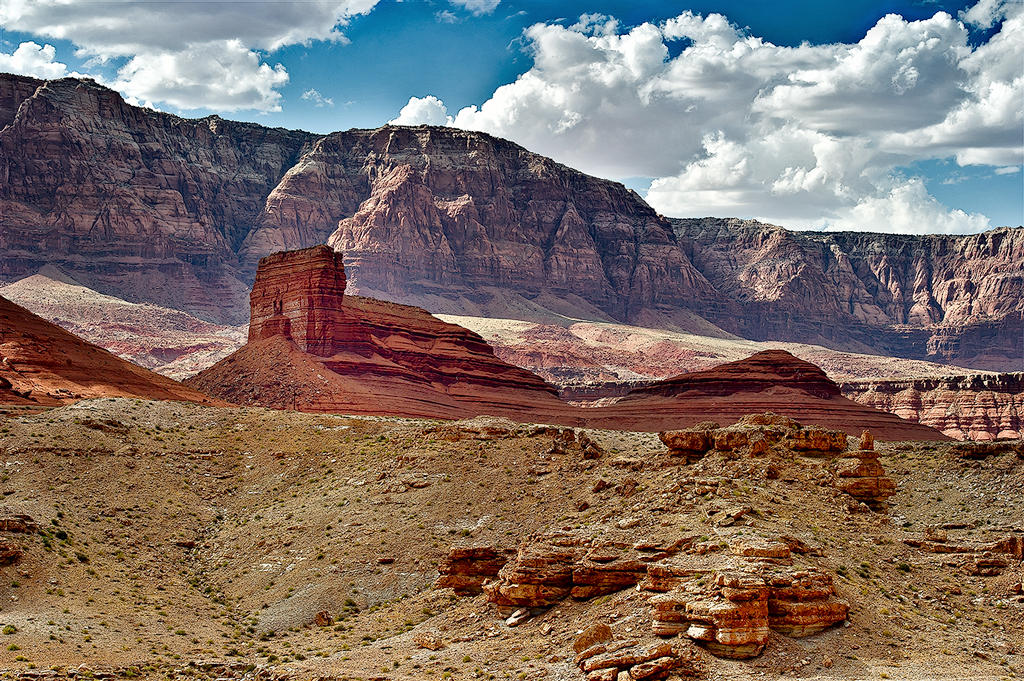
x: 42, y: 364
x: 314, y: 349
x: 771, y: 380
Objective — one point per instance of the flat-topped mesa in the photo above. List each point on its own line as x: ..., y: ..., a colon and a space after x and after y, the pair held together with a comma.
x: 299, y: 295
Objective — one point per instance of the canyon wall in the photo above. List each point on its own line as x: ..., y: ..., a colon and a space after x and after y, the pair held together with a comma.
x: 979, y: 407
x: 150, y: 207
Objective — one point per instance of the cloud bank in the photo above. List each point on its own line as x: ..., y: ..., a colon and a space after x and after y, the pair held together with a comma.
x: 806, y: 136
x: 207, y: 55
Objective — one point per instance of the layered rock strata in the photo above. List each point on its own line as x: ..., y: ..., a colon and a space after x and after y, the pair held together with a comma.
x: 466, y: 568
x: 42, y: 364
x: 978, y: 407
x: 179, y: 212
x: 767, y: 381
x: 312, y: 348
x: 952, y: 298
x: 727, y: 603
x: 863, y: 478
x: 756, y: 434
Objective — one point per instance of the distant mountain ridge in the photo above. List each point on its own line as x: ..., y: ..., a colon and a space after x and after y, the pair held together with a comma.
x: 151, y: 207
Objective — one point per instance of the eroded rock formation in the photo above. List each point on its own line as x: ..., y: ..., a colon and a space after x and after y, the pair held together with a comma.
x: 756, y: 434
x: 312, y: 348
x: 725, y: 601
x: 951, y: 298
x: 767, y: 381
x: 180, y: 211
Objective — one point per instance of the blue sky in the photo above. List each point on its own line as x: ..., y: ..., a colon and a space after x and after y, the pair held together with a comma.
x: 807, y: 114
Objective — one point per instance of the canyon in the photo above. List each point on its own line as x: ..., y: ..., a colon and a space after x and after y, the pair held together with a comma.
x: 180, y: 211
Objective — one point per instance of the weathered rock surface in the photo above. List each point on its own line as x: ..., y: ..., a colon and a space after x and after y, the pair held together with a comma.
x: 41, y: 363
x: 729, y: 605
x: 312, y: 348
x: 10, y: 521
x: 755, y: 434
x: 864, y: 479
x: 10, y: 551
x: 466, y: 568
x: 180, y: 211
x: 951, y: 298
x: 726, y: 602
x: 978, y: 407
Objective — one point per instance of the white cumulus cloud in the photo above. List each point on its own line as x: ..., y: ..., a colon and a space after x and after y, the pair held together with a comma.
x: 477, y: 7
x: 427, y: 110
x: 188, y: 54
x: 32, y: 59
x: 810, y: 136
x: 313, y: 95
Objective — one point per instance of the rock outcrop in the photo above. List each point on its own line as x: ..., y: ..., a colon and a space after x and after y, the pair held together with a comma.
x: 179, y: 212
x: 727, y: 603
x: 768, y: 381
x: 312, y: 348
x: 42, y: 364
x: 755, y: 434
x: 466, y: 568
x: 977, y: 407
x: 863, y: 478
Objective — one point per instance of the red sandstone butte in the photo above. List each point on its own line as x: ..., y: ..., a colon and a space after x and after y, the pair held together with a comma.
x: 42, y: 364
x: 312, y: 348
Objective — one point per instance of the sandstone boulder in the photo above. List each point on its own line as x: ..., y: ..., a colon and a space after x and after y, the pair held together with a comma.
x: 466, y: 568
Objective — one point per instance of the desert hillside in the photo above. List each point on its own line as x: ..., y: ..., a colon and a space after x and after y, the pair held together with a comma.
x: 166, y: 539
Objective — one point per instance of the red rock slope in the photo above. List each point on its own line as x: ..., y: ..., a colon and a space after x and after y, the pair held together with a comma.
x: 42, y: 364
x: 771, y: 380
x: 312, y: 348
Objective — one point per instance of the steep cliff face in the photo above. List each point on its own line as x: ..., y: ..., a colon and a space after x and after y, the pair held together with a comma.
x: 143, y: 205
x: 947, y: 298
x: 149, y: 207
x: 453, y: 212
x: 314, y: 349
x: 981, y: 407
